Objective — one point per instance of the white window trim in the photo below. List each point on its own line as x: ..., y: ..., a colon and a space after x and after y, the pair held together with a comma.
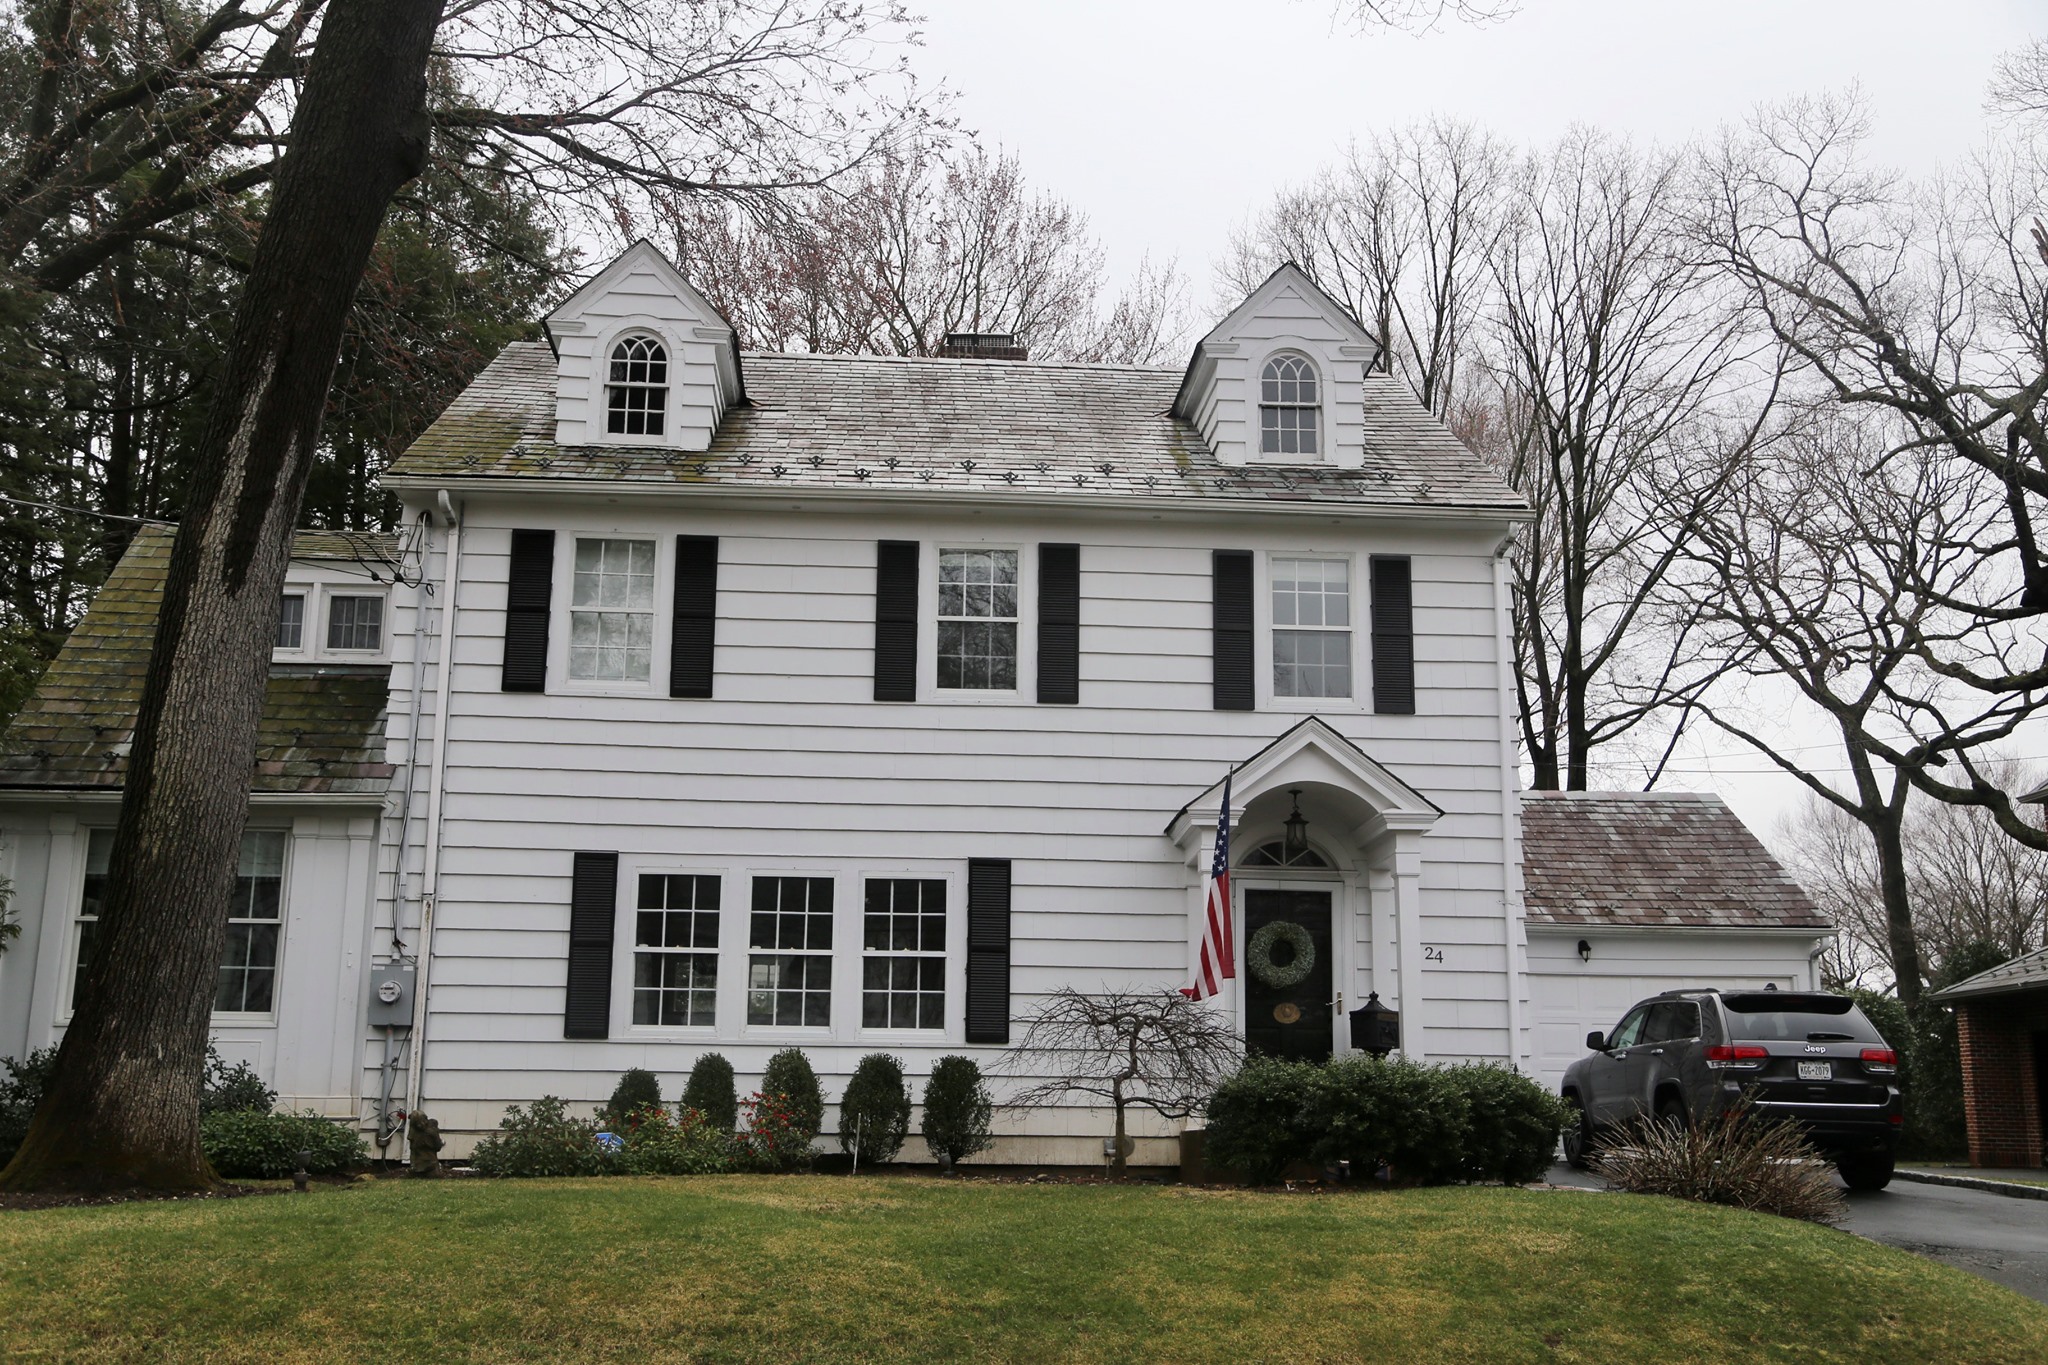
x: 68, y: 980
x: 327, y: 593
x: 600, y: 385
x: 561, y: 621
x: 309, y: 612
x: 1257, y: 441
x: 954, y: 956
x: 928, y: 688
x: 1262, y: 622
x: 625, y: 948
x: 835, y: 1011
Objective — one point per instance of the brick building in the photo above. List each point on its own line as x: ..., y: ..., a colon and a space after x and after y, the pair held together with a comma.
x: 2002, y: 1023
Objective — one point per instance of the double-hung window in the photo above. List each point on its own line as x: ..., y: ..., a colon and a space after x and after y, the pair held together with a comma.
x: 636, y: 391
x: 978, y: 620
x: 675, y: 950
x: 355, y: 622
x: 1311, y: 628
x: 247, y: 983
x: 789, y: 966
x: 291, y: 621
x: 903, y: 955
x: 611, y: 611
x: 1289, y: 404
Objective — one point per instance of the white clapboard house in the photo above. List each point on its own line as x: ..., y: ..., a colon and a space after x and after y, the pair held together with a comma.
x: 743, y: 701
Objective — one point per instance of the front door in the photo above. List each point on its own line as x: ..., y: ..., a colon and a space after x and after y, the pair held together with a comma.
x: 1287, y: 974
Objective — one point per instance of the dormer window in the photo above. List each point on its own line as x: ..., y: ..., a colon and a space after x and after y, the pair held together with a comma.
x: 1289, y: 404
x: 636, y: 394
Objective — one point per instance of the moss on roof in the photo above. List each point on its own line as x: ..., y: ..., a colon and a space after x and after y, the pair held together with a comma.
x: 322, y: 729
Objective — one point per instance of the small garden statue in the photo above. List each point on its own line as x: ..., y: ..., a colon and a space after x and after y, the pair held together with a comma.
x: 423, y: 1135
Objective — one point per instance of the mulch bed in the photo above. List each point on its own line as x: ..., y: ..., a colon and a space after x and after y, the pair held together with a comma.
x: 58, y: 1199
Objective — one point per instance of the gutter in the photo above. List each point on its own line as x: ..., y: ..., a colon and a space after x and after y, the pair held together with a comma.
x: 430, y: 876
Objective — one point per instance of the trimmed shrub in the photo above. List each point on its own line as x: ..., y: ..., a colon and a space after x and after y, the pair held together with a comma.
x: 1512, y: 1125
x: 685, y: 1143
x: 1400, y: 1114
x: 1258, y: 1119
x: 874, y: 1113
x: 542, y: 1140
x: 636, y: 1090
x: 774, y: 1138
x: 789, y: 1075
x: 20, y: 1092
x: 1729, y: 1158
x: 957, y: 1110
x: 233, y: 1089
x: 712, y: 1093
x: 243, y: 1144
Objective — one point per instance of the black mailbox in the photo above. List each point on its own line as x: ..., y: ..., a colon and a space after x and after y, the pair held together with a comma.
x: 1375, y: 1028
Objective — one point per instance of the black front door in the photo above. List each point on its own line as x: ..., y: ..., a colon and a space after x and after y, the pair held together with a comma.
x: 1287, y: 1000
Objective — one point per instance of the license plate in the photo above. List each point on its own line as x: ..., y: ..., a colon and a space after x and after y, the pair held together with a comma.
x: 1816, y: 1071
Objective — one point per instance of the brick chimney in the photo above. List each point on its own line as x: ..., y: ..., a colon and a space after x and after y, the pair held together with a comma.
x: 983, y: 346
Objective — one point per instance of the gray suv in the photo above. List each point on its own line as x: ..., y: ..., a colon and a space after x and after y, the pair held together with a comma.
x: 1814, y: 1059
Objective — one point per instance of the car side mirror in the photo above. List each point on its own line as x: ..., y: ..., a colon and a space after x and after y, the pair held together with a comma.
x: 1597, y: 1041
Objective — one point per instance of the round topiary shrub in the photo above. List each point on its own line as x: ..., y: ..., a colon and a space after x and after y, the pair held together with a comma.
x: 1512, y: 1124
x: 1401, y: 1114
x: 636, y: 1090
x: 712, y: 1092
x: 957, y: 1110
x: 874, y: 1113
x: 789, y: 1076
x: 1258, y: 1118
x: 241, y: 1144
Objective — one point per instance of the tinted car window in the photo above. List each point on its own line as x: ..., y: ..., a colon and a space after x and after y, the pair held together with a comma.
x: 1629, y: 1031
x: 1671, y: 1020
x: 1771, y: 1016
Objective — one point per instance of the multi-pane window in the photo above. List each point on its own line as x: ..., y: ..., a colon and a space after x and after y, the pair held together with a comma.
x: 611, y: 611
x: 291, y: 621
x: 789, y: 966
x: 636, y: 394
x: 675, y: 950
x: 355, y: 622
x: 903, y: 962
x: 1288, y: 406
x: 978, y: 619
x: 248, y: 971
x: 1311, y: 628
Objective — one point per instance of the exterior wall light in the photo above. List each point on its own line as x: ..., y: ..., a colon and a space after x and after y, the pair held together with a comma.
x: 1295, y: 842
x: 1585, y: 951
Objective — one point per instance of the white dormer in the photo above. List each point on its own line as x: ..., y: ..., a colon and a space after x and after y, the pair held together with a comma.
x: 1281, y: 380
x: 642, y: 358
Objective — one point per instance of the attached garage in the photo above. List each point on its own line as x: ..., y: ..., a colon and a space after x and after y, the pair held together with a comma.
x: 1631, y: 893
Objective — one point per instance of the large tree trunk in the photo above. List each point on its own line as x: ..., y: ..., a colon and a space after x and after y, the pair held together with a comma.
x: 123, y: 1106
x: 1889, y: 831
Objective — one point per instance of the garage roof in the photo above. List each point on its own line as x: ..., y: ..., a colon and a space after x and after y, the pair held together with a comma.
x: 2021, y: 974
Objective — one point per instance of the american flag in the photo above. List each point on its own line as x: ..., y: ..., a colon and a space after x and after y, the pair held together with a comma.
x: 1219, y: 959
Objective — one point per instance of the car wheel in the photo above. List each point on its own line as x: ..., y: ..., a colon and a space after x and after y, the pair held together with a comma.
x: 1671, y: 1113
x: 1578, y: 1136
x: 1866, y: 1172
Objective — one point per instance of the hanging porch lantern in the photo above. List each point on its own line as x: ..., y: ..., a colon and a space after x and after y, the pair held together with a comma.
x: 1294, y: 843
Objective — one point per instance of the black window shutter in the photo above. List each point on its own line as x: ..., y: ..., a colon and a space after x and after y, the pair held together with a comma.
x: 1059, y: 624
x: 1393, y: 636
x: 896, y: 620
x: 694, y: 621
x: 988, y: 950
x: 593, y: 910
x: 529, y: 591
x: 1231, y: 599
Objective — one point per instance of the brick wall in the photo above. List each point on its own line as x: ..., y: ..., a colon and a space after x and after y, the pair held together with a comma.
x: 2001, y: 1098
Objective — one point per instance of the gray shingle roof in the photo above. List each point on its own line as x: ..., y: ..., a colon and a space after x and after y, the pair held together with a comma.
x: 946, y: 427
x: 1655, y: 859
x: 322, y: 729
x: 2026, y: 973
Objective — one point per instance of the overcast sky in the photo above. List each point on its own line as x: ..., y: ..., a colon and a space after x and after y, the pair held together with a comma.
x: 1170, y: 123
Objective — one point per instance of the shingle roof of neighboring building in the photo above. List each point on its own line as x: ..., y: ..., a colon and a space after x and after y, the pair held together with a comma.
x: 322, y: 729
x: 943, y: 427
x: 2021, y: 974
x: 1652, y: 859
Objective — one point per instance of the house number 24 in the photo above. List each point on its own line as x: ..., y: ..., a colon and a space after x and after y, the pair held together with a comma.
x: 1430, y: 954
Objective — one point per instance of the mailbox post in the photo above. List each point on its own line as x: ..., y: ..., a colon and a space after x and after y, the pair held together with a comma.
x: 1375, y: 1028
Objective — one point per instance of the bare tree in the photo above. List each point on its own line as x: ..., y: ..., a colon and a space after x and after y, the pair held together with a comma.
x: 1156, y: 1050
x: 1423, y: 16
x: 1923, y: 306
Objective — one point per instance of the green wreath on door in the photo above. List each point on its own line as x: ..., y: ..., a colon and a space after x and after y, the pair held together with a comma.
x: 1258, y: 954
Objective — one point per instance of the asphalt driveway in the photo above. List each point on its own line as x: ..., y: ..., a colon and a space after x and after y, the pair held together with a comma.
x: 2002, y: 1239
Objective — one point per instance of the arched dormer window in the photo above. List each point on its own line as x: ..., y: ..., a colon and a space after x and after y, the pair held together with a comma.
x: 1275, y: 855
x: 1289, y: 405
x: 636, y: 392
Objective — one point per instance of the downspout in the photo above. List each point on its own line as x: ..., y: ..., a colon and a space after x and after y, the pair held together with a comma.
x: 1510, y: 815
x: 431, y: 858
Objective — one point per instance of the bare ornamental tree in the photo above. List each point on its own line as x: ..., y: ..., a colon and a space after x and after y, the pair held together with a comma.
x: 1156, y: 1050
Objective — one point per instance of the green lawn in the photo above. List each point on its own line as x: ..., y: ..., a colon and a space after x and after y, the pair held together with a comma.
x: 830, y: 1269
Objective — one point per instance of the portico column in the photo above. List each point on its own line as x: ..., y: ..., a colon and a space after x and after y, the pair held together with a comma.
x: 1386, y: 969
x: 1407, y: 878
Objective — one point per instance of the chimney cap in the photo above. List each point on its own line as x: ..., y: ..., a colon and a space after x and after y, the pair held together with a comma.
x: 983, y: 346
